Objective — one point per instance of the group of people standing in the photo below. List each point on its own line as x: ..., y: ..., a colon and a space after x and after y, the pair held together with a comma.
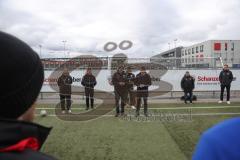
x: 225, y: 79
x: 65, y: 90
x: 123, y: 82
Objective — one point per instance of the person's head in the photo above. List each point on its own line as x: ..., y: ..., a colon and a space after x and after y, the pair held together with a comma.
x: 21, y: 78
x: 187, y: 74
x: 129, y: 70
x: 120, y: 69
x: 89, y: 71
x: 142, y: 70
x: 225, y: 67
x: 65, y: 71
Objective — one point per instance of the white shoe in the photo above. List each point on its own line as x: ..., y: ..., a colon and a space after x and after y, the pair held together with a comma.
x: 228, y: 102
x: 220, y: 101
x: 63, y: 112
x: 69, y: 111
x: 133, y: 107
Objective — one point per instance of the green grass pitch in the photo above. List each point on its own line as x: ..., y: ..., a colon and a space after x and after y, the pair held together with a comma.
x: 110, y: 138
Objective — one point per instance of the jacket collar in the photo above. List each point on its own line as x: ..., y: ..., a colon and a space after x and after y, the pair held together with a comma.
x: 14, y: 131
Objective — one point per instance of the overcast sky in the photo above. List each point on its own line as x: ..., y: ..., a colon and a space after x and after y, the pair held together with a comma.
x: 87, y: 25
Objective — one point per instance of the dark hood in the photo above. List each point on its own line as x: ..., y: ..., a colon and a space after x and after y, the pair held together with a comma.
x: 13, y: 131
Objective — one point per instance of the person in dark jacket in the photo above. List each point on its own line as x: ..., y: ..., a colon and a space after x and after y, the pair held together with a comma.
x: 89, y: 82
x: 65, y: 90
x: 225, y: 78
x: 20, y: 138
x: 130, y: 89
x: 142, y: 81
x: 119, y: 81
x: 187, y: 85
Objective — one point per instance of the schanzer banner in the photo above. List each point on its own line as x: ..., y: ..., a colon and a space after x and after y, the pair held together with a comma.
x: 205, y: 80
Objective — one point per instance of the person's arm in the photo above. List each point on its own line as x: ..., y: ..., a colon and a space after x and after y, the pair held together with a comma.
x: 95, y: 82
x: 114, y: 79
x: 220, y: 77
x: 149, y: 83
x: 59, y: 81
x: 70, y: 80
x: 193, y: 84
x: 182, y: 83
x: 136, y: 82
x: 231, y: 77
x: 83, y: 81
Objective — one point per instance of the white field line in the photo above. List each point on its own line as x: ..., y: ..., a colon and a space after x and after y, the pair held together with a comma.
x: 190, y: 114
x: 167, y: 108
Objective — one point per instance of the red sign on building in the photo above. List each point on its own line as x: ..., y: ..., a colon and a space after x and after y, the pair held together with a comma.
x: 217, y: 46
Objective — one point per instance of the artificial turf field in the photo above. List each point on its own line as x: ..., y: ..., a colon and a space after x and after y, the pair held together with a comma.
x: 170, y: 135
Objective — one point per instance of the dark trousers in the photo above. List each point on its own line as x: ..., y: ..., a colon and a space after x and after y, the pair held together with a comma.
x: 188, y: 96
x: 222, y: 91
x: 120, y: 96
x: 65, y: 101
x: 89, y: 93
x: 131, y: 96
x: 145, y: 105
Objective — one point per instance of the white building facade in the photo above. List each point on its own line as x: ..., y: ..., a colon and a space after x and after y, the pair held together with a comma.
x: 208, y: 53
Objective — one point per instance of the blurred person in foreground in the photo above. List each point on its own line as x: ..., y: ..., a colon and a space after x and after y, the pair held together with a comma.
x: 89, y: 82
x: 142, y: 81
x: 225, y: 78
x: 187, y: 85
x: 20, y: 139
x: 221, y: 142
x: 65, y: 90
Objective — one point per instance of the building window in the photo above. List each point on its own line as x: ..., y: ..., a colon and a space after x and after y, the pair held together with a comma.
x: 189, y: 51
x: 226, y: 46
x: 201, y: 48
x: 192, y: 50
x: 232, y: 47
x: 197, y: 49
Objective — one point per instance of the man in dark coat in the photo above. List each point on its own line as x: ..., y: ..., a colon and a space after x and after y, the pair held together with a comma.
x: 65, y: 90
x: 187, y: 85
x: 130, y: 89
x: 142, y: 81
x: 119, y: 81
x: 89, y: 82
x: 20, y: 138
x: 225, y: 78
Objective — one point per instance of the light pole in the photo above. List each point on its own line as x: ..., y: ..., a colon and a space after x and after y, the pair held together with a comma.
x: 64, y: 47
x: 40, y: 51
x: 175, y: 43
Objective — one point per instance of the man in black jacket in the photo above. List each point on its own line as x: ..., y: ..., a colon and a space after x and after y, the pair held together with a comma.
x: 20, y: 139
x: 65, y: 90
x: 187, y: 85
x: 119, y: 81
x: 225, y: 78
x: 89, y: 82
x: 142, y: 81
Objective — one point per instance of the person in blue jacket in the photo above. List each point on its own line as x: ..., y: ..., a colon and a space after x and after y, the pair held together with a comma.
x: 221, y: 142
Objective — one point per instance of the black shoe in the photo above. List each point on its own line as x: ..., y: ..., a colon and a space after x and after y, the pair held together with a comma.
x: 87, y: 108
x: 92, y: 107
x: 117, y: 114
x: 185, y: 102
x: 146, y: 114
x: 137, y: 114
x: 123, y: 114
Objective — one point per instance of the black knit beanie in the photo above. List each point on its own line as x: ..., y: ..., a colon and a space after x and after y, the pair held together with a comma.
x: 21, y: 76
